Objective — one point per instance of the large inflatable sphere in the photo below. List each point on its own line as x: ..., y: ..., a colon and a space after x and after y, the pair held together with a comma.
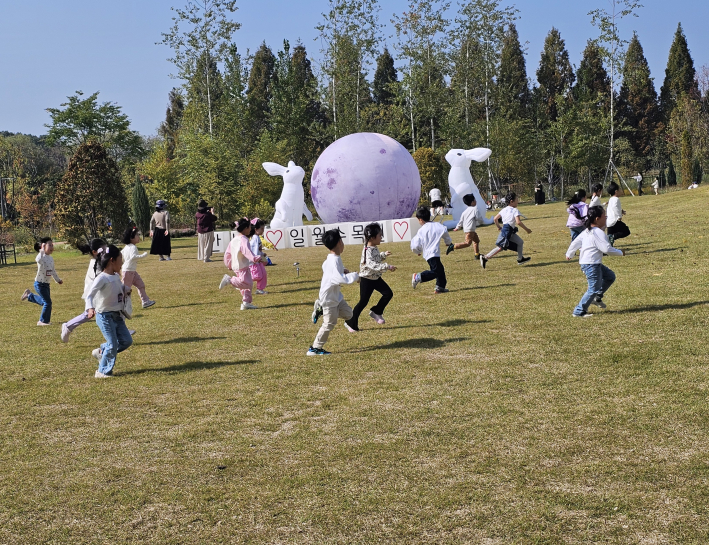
x: 365, y: 177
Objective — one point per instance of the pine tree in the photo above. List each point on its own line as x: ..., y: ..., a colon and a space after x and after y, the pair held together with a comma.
x: 259, y: 94
x: 637, y: 104
x: 512, y: 86
x: 679, y: 74
x: 592, y: 81
x: 697, y: 171
x: 671, y: 173
x: 555, y: 74
x: 384, y: 77
x: 686, y: 158
x: 140, y: 206
x: 170, y: 128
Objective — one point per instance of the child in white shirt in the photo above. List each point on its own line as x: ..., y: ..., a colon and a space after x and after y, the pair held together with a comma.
x: 45, y: 270
x: 427, y: 242
x: 469, y: 221
x: 593, y: 243
x: 130, y: 254
x: 597, y: 190
x: 616, y: 227
x: 331, y: 301
x: 507, y: 222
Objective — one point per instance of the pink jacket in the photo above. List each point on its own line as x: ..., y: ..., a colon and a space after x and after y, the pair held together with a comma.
x: 239, y: 245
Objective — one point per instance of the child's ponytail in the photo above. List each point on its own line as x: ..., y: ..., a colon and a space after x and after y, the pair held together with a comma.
x: 94, y: 246
x: 594, y: 213
x: 104, y: 257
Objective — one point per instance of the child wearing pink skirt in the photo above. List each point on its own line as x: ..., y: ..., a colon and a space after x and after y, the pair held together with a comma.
x: 237, y: 257
x: 258, y: 270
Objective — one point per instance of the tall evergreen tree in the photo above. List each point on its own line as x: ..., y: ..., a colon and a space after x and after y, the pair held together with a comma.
x: 258, y: 93
x: 384, y: 77
x: 555, y: 74
x: 140, y: 206
x: 679, y: 74
x: 512, y: 86
x: 637, y: 103
x: 592, y: 81
x: 170, y: 128
x: 671, y: 173
x: 686, y: 158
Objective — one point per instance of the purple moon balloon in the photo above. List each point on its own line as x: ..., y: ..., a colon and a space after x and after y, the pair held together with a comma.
x: 365, y: 177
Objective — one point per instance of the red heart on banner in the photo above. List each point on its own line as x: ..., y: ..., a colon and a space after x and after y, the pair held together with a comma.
x: 401, y: 223
x: 274, y: 233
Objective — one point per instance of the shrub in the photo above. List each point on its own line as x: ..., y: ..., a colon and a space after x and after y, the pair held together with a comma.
x: 182, y: 233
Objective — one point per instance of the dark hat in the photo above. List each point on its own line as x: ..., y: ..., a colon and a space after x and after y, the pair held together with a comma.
x: 160, y: 203
x: 202, y: 204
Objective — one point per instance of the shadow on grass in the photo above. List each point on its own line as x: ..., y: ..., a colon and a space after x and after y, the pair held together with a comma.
x: 650, y: 308
x: 289, y: 305
x: 210, y: 303
x: 546, y: 264
x: 448, y: 323
x: 311, y: 288
x: 187, y: 366
x: 485, y: 287
x: 424, y: 342
x: 660, y: 250
x: 181, y: 340
x: 2, y: 266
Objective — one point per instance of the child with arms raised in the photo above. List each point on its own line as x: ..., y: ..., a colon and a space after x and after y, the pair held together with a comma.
x: 507, y: 222
x: 45, y: 270
x: 238, y: 254
x: 130, y: 254
x: 593, y: 243
x: 371, y: 268
x: 427, y: 242
x: 331, y: 301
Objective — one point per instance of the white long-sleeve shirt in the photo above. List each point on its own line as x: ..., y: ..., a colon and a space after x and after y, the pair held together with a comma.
x: 428, y: 240
x: 593, y: 244
x: 613, y: 211
x: 595, y: 201
x: 45, y: 268
x: 106, y: 293
x: 131, y: 257
x: 333, y: 276
x: 469, y: 220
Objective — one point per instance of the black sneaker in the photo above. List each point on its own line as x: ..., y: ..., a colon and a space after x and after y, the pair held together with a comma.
x: 441, y: 290
x: 598, y: 302
x: 523, y: 260
x: 451, y: 247
x: 483, y: 261
x: 317, y: 352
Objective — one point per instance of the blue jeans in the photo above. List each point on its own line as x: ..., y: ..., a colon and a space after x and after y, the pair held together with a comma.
x: 114, y: 330
x: 44, y: 299
x: 576, y: 231
x: 600, y: 278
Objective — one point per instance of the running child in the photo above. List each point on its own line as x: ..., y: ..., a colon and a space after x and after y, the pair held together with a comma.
x: 105, y: 302
x: 45, y: 270
x: 427, y: 242
x: 597, y: 191
x: 508, y: 221
x: 331, y: 300
x: 371, y: 268
x: 130, y: 254
x: 578, y: 210
x: 258, y: 270
x: 469, y: 221
x: 95, y: 247
x: 616, y: 227
x: 593, y: 243
x: 238, y: 254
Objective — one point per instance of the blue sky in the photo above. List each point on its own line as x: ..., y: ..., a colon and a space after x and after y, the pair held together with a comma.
x: 49, y: 49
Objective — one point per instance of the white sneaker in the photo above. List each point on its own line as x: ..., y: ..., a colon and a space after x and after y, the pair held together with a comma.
x: 415, y: 280
x: 247, y: 306
x: 348, y: 328
x: 377, y: 317
x: 584, y: 315
x: 99, y: 374
x: 44, y: 323
x: 168, y: 258
x: 25, y: 295
x: 148, y: 303
x: 261, y: 292
x: 226, y: 279
x: 65, y: 333
x: 96, y: 353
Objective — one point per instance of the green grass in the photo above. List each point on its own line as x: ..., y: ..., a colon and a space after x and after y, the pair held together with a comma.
x: 487, y: 415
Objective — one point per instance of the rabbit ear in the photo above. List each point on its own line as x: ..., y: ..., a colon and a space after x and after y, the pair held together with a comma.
x: 274, y: 169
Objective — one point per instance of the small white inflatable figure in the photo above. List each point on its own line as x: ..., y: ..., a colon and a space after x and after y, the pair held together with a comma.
x: 460, y: 182
x: 291, y: 206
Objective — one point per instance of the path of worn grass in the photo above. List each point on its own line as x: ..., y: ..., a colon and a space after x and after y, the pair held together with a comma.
x: 487, y: 415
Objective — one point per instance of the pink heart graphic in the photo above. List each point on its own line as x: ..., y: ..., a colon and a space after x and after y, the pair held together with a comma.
x: 401, y: 223
x: 280, y: 236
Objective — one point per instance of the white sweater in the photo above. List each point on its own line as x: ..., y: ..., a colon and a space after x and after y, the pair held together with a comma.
x: 45, y: 268
x: 595, y: 201
x: 613, y: 211
x: 593, y: 244
x: 428, y: 240
x: 89, y: 280
x: 131, y: 257
x: 469, y: 220
x: 333, y: 275
x: 106, y: 293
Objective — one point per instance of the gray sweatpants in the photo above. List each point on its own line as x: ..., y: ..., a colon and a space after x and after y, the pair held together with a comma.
x: 329, y: 320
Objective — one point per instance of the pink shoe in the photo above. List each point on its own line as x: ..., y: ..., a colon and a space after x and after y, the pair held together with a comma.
x: 377, y: 317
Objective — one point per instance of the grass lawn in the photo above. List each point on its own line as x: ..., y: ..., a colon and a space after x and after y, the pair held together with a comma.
x: 486, y: 415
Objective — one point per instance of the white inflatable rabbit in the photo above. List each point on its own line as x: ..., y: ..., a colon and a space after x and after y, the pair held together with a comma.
x: 461, y: 183
x: 291, y: 206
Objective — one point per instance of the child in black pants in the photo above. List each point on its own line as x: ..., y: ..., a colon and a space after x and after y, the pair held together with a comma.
x: 371, y: 268
x: 427, y: 242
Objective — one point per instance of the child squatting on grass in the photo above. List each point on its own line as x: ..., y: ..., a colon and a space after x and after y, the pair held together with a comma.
x: 371, y: 268
x: 239, y: 248
x: 130, y: 254
x: 45, y: 270
x: 427, y: 242
x: 331, y: 300
x: 469, y: 221
x: 593, y: 243
x: 106, y: 301
x: 507, y: 221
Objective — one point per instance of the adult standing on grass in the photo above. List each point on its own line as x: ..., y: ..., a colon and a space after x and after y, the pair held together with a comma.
x: 160, y: 232
x: 205, y: 230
